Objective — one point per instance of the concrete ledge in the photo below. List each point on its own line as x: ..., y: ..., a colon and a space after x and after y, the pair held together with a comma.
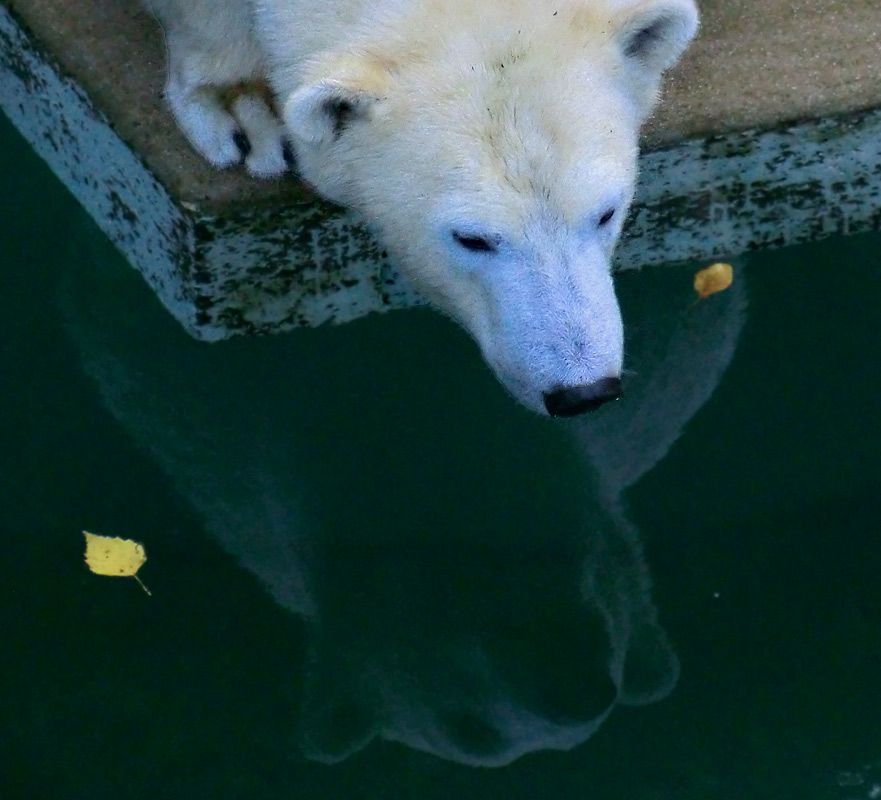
x: 767, y: 137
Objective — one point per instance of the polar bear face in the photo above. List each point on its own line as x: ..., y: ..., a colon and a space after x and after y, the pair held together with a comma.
x: 493, y: 147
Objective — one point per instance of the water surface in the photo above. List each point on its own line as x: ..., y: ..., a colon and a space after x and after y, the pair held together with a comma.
x: 373, y: 575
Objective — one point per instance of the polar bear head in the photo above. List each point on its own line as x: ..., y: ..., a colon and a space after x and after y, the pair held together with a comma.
x: 492, y: 146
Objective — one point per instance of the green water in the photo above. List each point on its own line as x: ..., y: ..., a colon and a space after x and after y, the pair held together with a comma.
x: 374, y: 576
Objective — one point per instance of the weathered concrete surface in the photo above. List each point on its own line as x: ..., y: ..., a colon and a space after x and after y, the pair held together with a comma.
x: 727, y: 168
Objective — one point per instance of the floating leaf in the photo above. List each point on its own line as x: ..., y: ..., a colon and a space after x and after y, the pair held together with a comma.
x: 107, y: 555
x: 713, y: 279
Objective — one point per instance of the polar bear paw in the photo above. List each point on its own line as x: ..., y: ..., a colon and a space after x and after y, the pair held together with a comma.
x: 231, y: 125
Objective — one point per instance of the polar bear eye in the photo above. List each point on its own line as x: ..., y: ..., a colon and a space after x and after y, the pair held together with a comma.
x: 607, y: 217
x: 476, y: 244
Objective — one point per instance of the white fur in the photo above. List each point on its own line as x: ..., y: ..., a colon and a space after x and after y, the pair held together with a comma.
x: 215, y: 72
x: 515, y: 121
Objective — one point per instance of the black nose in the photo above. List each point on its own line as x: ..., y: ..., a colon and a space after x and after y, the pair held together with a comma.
x: 567, y: 401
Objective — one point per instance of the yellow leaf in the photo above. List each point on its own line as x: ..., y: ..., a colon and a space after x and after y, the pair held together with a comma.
x: 713, y: 279
x: 106, y: 555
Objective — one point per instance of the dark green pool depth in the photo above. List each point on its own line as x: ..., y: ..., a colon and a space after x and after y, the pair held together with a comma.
x: 372, y: 572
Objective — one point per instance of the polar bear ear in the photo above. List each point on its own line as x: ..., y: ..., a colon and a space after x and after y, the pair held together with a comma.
x: 656, y: 33
x: 321, y: 113
x: 345, y: 94
x: 336, y: 720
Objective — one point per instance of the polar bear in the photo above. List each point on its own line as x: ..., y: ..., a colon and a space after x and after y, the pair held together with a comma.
x: 490, y: 145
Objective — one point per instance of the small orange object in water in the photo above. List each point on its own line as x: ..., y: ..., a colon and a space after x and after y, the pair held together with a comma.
x: 712, y: 279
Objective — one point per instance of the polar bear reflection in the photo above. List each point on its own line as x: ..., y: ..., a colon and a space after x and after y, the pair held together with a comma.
x: 472, y: 585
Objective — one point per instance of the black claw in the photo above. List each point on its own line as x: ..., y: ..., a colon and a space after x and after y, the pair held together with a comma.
x: 287, y: 153
x: 241, y: 141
